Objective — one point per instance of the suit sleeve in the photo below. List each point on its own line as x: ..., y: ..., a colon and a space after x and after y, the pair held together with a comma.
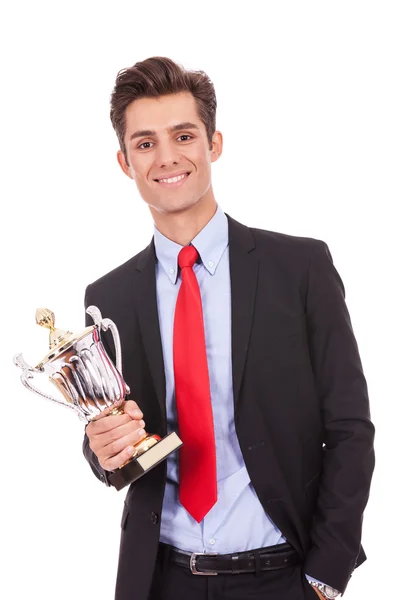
x: 100, y: 473
x: 348, y: 452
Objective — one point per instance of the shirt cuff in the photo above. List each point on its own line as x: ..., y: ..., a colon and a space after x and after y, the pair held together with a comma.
x: 313, y: 579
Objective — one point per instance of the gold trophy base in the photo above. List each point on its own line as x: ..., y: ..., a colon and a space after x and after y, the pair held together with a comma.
x: 145, y: 444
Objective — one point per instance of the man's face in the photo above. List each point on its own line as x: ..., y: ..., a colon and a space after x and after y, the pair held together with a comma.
x: 165, y: 138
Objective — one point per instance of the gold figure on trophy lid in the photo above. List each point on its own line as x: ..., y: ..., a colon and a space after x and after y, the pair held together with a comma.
x: 46, y: 318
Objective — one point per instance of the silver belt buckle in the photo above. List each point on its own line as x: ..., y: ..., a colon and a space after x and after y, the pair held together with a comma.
x: 193, y: 558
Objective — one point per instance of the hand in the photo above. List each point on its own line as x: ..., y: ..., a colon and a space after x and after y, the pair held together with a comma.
x: 111, y: 437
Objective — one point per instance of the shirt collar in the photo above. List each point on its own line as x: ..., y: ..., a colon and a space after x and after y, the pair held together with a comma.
x: 210, y: 243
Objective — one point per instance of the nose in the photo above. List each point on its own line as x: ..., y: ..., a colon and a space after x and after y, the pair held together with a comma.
x: 167, y: 153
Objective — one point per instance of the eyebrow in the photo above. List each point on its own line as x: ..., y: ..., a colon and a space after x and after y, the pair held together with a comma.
x: 179, y: 127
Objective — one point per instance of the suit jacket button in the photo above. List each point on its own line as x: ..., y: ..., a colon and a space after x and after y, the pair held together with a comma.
x: 154, y: 518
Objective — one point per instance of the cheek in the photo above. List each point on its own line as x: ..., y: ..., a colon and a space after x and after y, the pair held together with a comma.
x: 141, y: 174
x: 201, y: 163
x: 204, y: 168
x: 141, y: 164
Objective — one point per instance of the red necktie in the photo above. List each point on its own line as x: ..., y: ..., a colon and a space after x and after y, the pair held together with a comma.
x: 198, y: 473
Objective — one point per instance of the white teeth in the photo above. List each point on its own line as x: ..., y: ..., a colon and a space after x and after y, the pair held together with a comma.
x: 173, y: 179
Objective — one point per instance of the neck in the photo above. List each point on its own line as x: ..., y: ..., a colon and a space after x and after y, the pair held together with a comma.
x: 182, y: 227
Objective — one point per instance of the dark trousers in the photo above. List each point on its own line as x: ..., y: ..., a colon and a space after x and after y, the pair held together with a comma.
x: 172, y: 582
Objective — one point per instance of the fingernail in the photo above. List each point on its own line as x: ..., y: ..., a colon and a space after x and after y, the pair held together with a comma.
x: 130, y: 450
x: 137, y: 412
x: 141, y: 432
x: 142, y: 423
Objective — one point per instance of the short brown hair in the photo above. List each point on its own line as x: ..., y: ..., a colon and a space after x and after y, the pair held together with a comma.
x: 160, y: 76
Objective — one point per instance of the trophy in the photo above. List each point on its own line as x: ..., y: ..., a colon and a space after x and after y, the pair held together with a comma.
x: 89, y: 383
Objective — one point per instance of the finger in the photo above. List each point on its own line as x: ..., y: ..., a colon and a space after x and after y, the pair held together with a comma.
x: 117, y: 446
x: 124, y: 430
x: 100, y: 426
x: 106, y: 444
x: 115, y: 462
x: 133, y: 410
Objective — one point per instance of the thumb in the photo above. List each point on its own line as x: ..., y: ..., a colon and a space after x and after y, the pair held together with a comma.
x: 133, y: 410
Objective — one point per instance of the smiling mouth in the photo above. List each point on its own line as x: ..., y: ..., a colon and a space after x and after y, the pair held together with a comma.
x: 173, y: 180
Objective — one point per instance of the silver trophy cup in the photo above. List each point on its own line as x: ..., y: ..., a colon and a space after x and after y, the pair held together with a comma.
x: 79, y: 367
x: 90, y: 384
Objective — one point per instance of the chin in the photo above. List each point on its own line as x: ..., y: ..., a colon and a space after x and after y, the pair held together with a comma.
x: 173, y: 206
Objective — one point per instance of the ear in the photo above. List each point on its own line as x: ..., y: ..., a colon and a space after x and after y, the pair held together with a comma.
x: 123, y: 164
x: 217, y: 144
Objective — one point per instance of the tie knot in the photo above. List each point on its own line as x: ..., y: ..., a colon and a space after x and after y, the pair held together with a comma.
x: 187, y: 257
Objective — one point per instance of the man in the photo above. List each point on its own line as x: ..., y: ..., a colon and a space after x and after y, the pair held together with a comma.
x: 240, y: 340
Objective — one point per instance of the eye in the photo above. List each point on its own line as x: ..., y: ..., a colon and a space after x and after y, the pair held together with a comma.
x: 143, y: 143
x: 185, y: 135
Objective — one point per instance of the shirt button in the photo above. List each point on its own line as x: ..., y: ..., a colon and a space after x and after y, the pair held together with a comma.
x: 212, y: 541
x: 210, y: 263
x: 172, y: 271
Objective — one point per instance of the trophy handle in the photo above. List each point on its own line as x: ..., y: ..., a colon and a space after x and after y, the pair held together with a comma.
x: 105, y: 324
x: 28, y: 373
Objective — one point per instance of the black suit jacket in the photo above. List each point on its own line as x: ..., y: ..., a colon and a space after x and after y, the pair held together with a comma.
x: 300, y: 399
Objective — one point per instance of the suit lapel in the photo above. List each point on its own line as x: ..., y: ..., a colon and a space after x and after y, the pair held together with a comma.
x: 146, y: 302
x: 244, y: 274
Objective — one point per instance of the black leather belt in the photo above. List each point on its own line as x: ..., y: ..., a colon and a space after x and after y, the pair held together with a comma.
x: 263, y: 559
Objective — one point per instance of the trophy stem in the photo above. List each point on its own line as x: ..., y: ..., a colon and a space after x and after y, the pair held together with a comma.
x: 116, y: 411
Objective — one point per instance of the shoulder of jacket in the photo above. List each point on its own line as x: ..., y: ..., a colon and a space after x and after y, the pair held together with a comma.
x: 281, y: 244
x: 279, y: 239
x: 118, y: 275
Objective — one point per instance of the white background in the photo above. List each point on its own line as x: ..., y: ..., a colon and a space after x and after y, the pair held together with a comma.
x: 308, y: 102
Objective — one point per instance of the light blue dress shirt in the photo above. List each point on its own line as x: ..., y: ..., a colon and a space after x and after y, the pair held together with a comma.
x: 237, y: 522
